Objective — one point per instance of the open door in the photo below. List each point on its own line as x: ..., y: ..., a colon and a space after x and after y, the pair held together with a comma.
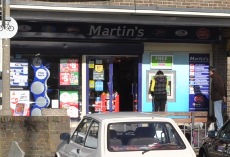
x: 111, y: 81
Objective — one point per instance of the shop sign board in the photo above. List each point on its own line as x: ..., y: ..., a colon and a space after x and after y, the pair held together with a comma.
x: 121, y: 32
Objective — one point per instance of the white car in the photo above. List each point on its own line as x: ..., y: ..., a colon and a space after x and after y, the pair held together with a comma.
x: 125, y: 134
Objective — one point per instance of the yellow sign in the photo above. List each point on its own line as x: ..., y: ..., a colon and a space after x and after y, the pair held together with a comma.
x: 99, y: 68
x: 91, y: 83
x: 91, y: 64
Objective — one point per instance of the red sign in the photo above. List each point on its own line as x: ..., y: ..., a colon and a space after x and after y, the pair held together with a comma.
x: 69, y: 72
x: 203, y: 33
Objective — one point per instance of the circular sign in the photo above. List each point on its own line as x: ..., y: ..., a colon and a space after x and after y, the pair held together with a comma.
x: 37, y: 87
x: 10, y: 29
x: 199, y: 99
x: 41, y: 101
x: 36, y: 112
x: 203, y: 33
x: 41, y: 74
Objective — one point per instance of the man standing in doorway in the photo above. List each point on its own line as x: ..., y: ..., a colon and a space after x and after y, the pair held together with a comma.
x: 218, y: 95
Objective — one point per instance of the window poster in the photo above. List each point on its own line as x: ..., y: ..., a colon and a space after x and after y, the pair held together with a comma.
x: 19, y: 74
x: 98, y: 72
x: 69, y: 100
x: 69, y: 72
x: 20, y: 102
x: 198, y: 82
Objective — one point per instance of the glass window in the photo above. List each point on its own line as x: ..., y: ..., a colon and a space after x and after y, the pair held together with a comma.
x: 143, y: 136
x: 92, y: 137
x: 81, y: 131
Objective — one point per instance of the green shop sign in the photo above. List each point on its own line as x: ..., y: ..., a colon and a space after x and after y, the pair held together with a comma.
x: 161, y: 61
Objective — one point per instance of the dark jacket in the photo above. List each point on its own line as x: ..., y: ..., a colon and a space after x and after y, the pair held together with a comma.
x: 217, y: 88
x: 160, y: 84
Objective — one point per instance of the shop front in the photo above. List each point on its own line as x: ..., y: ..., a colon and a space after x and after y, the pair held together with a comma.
x: 99, y: 66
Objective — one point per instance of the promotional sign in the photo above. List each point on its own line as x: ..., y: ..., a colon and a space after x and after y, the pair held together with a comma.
x: 69, y: 72
x: 38, y: 87
x: 69, y: 100
x: 161, y: 62
x: 18, y: 74
x: 20, y: 102
x: 198, y: 82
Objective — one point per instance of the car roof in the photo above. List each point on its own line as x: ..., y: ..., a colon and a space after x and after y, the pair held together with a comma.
x: 126, y: 115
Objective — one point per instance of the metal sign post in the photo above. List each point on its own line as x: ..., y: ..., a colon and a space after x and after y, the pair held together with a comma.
x: 6, y: 110
x: 3, y: 2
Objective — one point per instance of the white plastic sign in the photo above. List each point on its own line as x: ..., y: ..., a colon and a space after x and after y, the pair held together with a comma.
x: 11, y: 28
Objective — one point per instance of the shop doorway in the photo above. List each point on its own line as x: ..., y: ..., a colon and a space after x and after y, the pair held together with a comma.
x: 112, y: 83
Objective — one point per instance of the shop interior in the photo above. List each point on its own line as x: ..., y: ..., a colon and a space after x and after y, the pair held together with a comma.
x: 125, y: 80
x: 123, y: 70
x: 125, y: 77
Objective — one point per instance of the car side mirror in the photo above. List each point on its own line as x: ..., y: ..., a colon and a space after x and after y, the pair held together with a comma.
x: 212, y: 134
x: 65, y: 136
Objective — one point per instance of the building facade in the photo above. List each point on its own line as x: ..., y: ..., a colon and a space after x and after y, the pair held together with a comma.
x: 99, y: 56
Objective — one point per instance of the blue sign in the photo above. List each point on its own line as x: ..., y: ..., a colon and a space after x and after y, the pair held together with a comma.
x: 98, y: 86
x: 198, y: 82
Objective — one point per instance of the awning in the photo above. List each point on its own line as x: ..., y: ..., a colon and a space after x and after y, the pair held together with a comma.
x: 121, y: 18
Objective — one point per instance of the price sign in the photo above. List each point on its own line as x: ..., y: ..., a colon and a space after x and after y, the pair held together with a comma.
x: 64, y: 79
x: 69, y: 72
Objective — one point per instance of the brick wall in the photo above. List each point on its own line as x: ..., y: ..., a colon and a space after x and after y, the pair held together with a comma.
x: 207, y: 4
x: 220, y: 61
x: 36, y: 136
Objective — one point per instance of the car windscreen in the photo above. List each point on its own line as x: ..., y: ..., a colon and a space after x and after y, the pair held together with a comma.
x: 144, y: 136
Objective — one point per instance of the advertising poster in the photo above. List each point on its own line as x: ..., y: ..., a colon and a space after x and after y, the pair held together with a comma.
x: 69, y: 100
x: 69, y: 72
x: 198, y: 82
x: 20, y: 102
x: 19, y: 74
